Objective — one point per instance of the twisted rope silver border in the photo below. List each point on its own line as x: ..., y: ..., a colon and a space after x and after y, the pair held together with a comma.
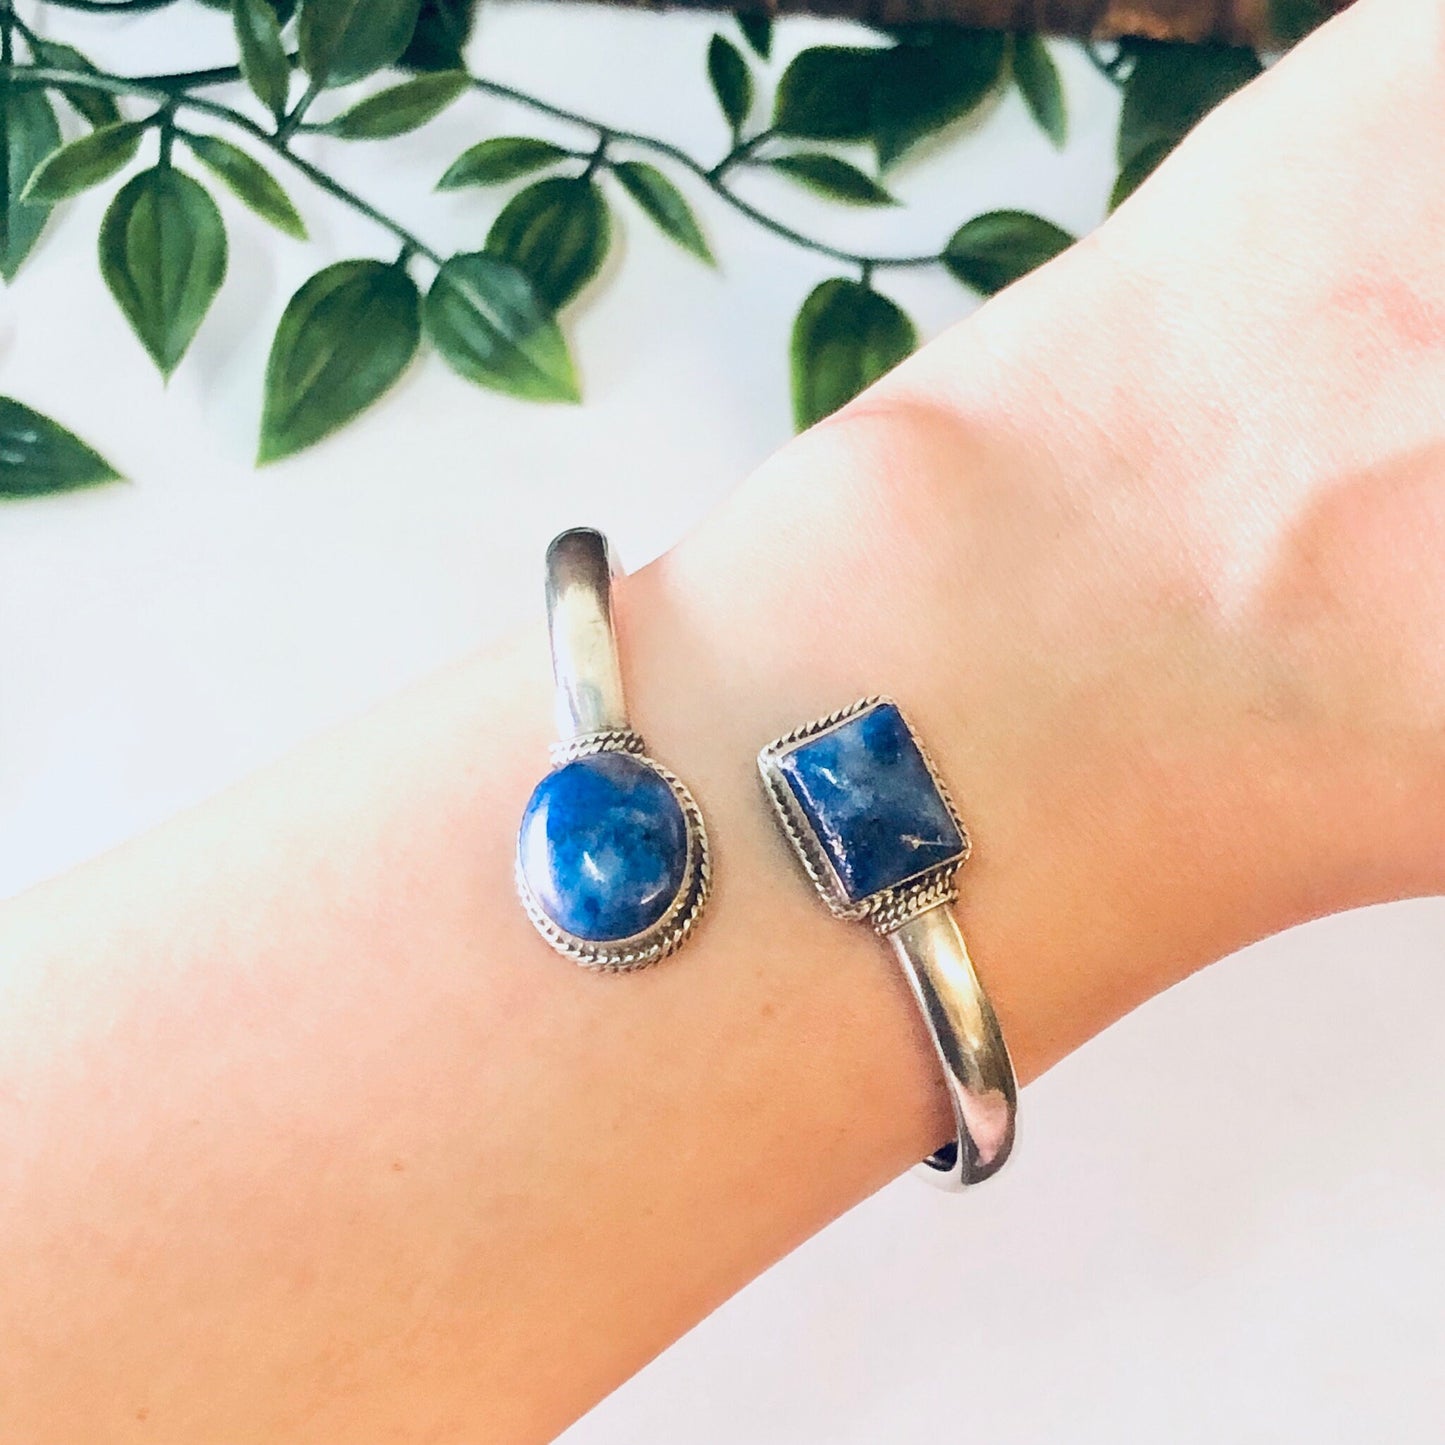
x: 614, y: 740
x: 670, y: 932
x: 932, y: 891
x: 889, y: 908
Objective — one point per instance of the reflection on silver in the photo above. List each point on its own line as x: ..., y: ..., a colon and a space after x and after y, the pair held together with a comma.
x: 966, y: 1034
x: 585, y: 663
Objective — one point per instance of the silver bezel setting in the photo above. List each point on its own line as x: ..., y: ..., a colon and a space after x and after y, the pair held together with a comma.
x: 670, y: 932
x: 889, y: 908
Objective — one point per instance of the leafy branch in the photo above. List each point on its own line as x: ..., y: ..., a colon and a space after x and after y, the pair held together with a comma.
x: 493, y: 315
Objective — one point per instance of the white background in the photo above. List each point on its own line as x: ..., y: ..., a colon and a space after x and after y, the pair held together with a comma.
x: 1225, y: 1220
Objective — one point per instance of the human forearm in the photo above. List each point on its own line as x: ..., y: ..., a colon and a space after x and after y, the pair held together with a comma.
x: 311, y: 1138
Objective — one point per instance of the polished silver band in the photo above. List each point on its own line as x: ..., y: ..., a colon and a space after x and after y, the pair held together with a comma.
x: 969, y: 1043
x: 583, y: 632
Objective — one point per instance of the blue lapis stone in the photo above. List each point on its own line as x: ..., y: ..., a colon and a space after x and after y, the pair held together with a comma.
x: 872, y: 802
x: 604, y: 846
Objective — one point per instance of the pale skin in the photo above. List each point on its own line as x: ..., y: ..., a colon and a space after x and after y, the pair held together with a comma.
x: 307, y: 1137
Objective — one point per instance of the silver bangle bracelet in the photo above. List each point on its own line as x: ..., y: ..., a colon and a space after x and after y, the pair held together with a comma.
x: 613, y: 866
x: 612, y: 862
x: 873, y: 825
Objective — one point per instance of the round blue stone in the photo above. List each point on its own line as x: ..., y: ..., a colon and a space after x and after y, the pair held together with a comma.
x: 603, y: 846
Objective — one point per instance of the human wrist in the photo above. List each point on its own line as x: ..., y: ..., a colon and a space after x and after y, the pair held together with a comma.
x: 1259, y: 533
x: 1065, y: 670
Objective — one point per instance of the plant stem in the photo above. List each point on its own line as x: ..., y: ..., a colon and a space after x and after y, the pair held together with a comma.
x: 166, y: 118
x: 180, y: 85
x: 598, y: 157
x: 705, y: 174
x: 292, y: 121
x: 122, y: 85
x: 112, y: 7
x: 192, y: 79
x: 1107, y: 67
x: 11, y: 21
x: 741, y: 151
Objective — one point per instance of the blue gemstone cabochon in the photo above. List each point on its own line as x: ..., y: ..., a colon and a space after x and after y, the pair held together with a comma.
x: 871, y: 800
x: 604, y: 846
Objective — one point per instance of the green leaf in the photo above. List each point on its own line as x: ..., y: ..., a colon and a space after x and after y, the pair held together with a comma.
x: 665, y: 204
x: 1291, y: 20
x: 489, y: 324
x: 845, y: 338
x: 440, y: 38
x: 732, y: 81
x: 833, y: 178
x: 97, y: 106
x: 826, y: 93
x: 557, y: 232
x: 1172, y: 87
x: 503, y: 158
x: 83, y: 163
x: 163, y: 255
x: 1038, y: 81
x: 1138, y: 170
x: 935, y: 77
x: 28, y: 134
x: 263, y: 57
x: 894, y: 96
x: 249, y: 180
x: 758, y: 32
x: 346, y: 40
x: 343, y: 340
x: 401, y: 108
x: 995, y: 249
x: 39, y: 457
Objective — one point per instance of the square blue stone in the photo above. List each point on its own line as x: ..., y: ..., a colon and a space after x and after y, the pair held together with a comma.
x: 872, y: 802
